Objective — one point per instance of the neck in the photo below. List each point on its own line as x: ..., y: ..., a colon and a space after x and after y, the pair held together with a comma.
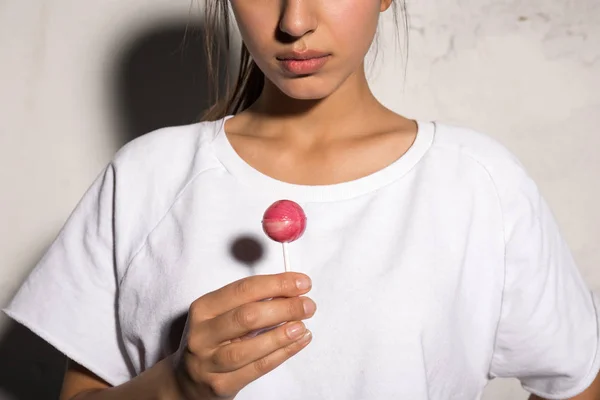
x: 345, y: 106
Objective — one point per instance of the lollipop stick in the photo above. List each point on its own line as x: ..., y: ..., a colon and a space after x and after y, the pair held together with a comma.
x: 286, y: 258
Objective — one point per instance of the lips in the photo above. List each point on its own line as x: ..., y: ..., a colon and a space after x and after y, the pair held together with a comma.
x: 303, y: 63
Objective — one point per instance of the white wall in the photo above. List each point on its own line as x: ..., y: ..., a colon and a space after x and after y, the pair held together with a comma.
x: 525, y: 72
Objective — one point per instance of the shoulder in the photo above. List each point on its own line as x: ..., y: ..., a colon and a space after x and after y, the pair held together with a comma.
x: 473, y: 149
x: 167, y: 156
x: 166, y: 144
x: 161, y: 163
x: 471, y: 143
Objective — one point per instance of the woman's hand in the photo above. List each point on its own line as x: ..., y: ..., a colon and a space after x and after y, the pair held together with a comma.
x: 215, y: 361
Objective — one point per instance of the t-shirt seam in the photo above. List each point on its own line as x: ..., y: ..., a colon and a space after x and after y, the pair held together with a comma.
x: 144, y: 243
x: 555, y: 394
x: 505, y: 271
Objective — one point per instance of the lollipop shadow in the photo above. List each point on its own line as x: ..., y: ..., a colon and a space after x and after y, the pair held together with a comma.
x: 248, y: 250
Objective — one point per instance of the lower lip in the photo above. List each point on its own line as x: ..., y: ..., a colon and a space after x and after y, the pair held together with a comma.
x: 304, y: 67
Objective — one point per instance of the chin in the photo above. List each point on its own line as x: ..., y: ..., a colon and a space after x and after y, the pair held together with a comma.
x: 306, y: 88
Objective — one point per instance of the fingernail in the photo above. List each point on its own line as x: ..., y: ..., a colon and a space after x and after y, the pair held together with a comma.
x: 306, y: 338
x: 309, y: 307
x: 303, y: 283
x: 294, y: 331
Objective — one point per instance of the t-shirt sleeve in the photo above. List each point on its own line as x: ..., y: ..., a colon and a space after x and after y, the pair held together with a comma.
x: 548, y: 331
x: 70, y: 298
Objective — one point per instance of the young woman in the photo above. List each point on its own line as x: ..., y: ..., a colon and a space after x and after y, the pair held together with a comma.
x: 434, y: 261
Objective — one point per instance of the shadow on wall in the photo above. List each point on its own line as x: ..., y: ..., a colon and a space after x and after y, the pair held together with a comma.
x: 29, y: 367
x: 162, y: 80
x: 159, y: 80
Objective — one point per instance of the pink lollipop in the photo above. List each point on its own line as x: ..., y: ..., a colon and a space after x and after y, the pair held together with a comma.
x: 284, y: 222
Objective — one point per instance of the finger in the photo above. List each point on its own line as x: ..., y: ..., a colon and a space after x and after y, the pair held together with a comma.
x: 236, y: 355
x: 243, y: 376
x: 250, y: 317
x: 251, y: 289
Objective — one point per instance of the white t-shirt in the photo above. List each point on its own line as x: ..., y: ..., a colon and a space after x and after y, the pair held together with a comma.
x: 431, y: 276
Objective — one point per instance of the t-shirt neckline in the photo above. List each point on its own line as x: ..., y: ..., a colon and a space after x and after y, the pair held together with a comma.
x: 250, y: 176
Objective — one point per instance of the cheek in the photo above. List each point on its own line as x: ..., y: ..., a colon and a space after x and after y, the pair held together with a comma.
x: 352, y: 24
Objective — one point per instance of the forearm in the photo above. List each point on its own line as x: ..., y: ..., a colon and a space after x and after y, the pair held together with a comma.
x: 157, y: 383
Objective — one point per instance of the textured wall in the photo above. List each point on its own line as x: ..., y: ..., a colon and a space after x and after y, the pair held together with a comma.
x: 79, y: 79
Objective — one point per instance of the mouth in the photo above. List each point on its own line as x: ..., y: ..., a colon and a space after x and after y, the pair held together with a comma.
x: 303, y: 63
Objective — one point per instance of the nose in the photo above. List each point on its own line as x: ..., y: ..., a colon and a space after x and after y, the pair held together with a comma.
x: 297, y: 18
